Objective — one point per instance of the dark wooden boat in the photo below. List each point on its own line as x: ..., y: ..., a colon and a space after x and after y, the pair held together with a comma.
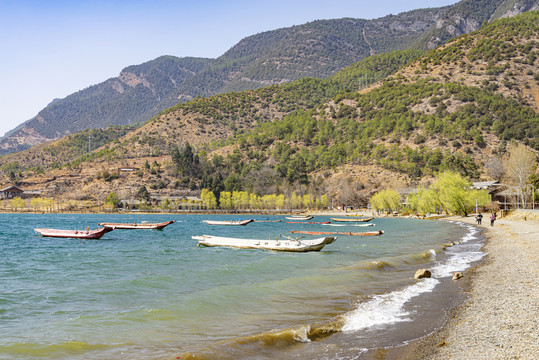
x: 75, y: 234
x: 142, y: 225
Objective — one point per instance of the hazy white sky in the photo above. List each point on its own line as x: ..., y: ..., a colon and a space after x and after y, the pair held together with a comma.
x: 50, y: 49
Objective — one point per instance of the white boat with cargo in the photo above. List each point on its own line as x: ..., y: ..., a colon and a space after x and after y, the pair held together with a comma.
x: 283, y: 244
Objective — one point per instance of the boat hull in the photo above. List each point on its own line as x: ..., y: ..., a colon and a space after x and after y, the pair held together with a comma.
x: 224, y: 222
x: 352, y: 219
x: 74, y: 234
x: 359, y: 225
x: 127, y: 226
x: 299, y: 217
x: 308, y: 222
x: 367, y: 233
x: 291, y: 245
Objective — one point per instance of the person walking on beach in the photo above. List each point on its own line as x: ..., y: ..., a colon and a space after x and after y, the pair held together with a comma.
x: 479, y: 217
x: 492, y: 219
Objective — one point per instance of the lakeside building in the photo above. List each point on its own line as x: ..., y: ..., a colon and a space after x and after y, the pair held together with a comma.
x: 11, y: 192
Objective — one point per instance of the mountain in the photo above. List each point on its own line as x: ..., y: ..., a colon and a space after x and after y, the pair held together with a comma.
x: 130, y: 98
x: 321, y: 48
x: 316, y: 49
x: 213, y: 118
x: 456, y: 107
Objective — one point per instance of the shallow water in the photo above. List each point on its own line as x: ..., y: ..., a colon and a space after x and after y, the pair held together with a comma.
x: 150, y: 294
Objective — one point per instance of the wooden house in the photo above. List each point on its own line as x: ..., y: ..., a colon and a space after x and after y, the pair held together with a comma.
x: 11, y: 192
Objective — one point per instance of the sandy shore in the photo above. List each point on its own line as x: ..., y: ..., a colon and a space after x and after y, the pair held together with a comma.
x: 500, y: 317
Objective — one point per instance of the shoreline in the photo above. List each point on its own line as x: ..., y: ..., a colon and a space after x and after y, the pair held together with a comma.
x: 498, y: 317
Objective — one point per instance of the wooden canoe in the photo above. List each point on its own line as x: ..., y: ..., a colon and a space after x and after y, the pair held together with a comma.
x: 298, y: 217
x: 352, y: 219
x: 367, y: 233
x: 287, y: 244
x: 142, y: 225
x: 228, y: 222
x: 348, y: 225
x: 75, y: 234
x: 308, y: 222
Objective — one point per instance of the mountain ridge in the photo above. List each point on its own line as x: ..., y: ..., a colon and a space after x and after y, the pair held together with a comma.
x: 316, y: 49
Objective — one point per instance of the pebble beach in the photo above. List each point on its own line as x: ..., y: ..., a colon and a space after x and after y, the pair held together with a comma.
x: 500, y: 317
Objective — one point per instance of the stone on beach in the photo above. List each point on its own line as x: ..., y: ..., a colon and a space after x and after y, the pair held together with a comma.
x: 422, y: 273
x: 457, y: 275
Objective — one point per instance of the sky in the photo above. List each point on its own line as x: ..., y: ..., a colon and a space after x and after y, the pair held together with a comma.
x: 52, y: 48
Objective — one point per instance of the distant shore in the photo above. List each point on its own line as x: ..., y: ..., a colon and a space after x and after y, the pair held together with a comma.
x: 499, y: 318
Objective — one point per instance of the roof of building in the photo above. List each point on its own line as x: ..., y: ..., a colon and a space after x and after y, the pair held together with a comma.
x: 13, y: 188
x: 484, y: 184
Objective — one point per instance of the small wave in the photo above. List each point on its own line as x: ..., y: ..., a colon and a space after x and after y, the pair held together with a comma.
x: 425, y: 255
x: 461, y: 256
x: 267, y: 342
x: 456, y: 262
x: 393, y: 262
x: 386, y: 308
x: 55, y: 350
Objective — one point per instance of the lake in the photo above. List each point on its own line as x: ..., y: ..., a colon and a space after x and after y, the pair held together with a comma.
x: 150, y: 294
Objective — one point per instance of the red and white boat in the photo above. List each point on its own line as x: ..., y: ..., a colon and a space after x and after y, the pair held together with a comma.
x: 76, y: 234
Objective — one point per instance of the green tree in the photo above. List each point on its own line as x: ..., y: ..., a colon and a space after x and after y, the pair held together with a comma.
x: 388, y: 200
x: 112, y: 200
x: 425, y: 201
x: 209, y: 201
x: 456, y: 195
x: 17, y: 203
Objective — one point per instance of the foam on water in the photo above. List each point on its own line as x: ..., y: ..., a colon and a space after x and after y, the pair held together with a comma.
x: 389, y: 308
x: 462, y: 255
x: 386, y: 308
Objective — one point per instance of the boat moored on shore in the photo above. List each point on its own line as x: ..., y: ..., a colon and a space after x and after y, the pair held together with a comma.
x: 352, y: 219
x: 228, y: 222
x: 142, y: 225
x: 285, y: 244
x: 75, y: 234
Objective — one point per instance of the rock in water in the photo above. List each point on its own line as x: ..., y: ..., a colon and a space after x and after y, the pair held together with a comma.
x: 457, y: 275
x: 422, y: 273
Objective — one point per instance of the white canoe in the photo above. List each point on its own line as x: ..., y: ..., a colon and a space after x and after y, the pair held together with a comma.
x: 295, y: 245
x: 299, y: 217
x: 228, y: 222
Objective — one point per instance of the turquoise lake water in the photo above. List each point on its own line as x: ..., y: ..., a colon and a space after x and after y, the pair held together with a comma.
x: 148, y: 294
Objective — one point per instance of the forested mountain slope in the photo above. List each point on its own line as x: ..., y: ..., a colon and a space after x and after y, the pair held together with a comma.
x: 456, y: 107
x: 215, y: 118
x: 317, y: 49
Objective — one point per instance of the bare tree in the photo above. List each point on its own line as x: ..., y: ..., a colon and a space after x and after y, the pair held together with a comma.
x: 494, y: 168
x: 519, y: 168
